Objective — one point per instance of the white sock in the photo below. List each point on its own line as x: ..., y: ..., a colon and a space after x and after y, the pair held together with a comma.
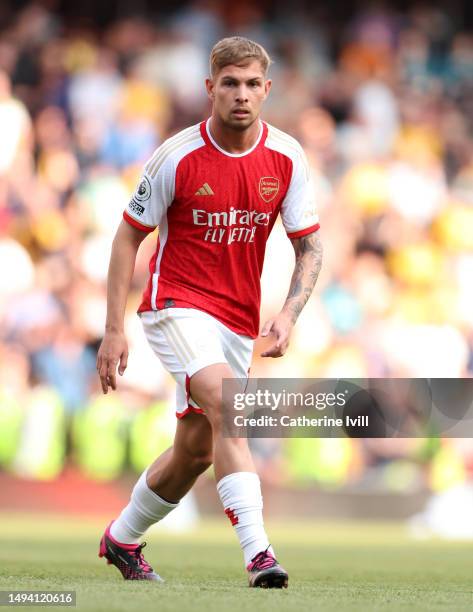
x: 240, y: 494
x: 145, y: 509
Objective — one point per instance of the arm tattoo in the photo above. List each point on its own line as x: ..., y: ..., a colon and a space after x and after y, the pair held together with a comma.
x: 308, y: 250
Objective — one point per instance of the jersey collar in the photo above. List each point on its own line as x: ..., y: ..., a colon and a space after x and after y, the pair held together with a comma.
x: 214, y: 144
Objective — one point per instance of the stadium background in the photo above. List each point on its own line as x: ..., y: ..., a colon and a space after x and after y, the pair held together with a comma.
x: 381, y: 98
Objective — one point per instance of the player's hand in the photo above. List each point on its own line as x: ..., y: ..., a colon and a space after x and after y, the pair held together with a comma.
x: 112, y: 352
x: 280, y: 328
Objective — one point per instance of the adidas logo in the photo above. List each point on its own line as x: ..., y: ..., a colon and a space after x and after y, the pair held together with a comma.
x: 205, y: 190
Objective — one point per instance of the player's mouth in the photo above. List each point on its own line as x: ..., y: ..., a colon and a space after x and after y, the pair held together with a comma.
x: 240, y: 113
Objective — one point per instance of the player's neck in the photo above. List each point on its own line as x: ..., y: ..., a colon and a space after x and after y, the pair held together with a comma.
x: 234, y: 141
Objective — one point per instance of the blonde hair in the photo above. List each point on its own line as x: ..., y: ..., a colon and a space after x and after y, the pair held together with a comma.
x: 237, y: 50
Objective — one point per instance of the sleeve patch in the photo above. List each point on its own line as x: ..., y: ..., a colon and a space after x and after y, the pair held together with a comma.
x: 143, y: 191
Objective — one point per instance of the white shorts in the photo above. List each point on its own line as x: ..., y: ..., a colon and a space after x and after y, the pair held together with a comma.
x: 187, y: 340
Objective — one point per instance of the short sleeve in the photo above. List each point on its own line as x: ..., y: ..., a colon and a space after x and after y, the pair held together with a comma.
x: 298, y: 211
x: 153, y: 195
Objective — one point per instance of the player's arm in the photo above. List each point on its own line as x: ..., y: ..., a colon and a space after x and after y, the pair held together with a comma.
x: 114, y: 348
x: 308, y: 251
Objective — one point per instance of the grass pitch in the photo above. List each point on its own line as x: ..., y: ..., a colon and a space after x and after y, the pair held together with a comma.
x: 347, y: 566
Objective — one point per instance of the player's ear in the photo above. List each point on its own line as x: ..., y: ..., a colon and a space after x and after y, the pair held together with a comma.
x: 267, y: 87
x: 209, y: 85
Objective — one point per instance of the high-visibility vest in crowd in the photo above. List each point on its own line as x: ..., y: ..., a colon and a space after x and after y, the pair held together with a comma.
x: 100, y: 437
x: 42, y: 446
x: 318, y: 460
x: 11, y: 416
x: 150, y: 435
x: 447, y: 468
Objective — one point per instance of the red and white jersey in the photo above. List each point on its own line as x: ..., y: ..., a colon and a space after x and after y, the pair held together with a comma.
x: 215, y: 211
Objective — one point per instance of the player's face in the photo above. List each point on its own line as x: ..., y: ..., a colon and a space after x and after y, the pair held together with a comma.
x: 237, y: 93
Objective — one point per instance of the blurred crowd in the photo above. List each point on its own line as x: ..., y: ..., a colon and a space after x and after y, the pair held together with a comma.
x: 383, y: 106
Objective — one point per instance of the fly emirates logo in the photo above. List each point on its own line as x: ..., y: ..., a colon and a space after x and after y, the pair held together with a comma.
x: 230, y: 226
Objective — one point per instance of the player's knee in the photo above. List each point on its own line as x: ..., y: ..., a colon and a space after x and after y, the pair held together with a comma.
x: 213, y: 400
x: 208, y: 393
x: 213, y: 409
x: 217, y: 412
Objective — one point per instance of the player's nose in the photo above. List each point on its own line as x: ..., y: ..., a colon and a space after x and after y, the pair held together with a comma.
x: 242, y: 95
